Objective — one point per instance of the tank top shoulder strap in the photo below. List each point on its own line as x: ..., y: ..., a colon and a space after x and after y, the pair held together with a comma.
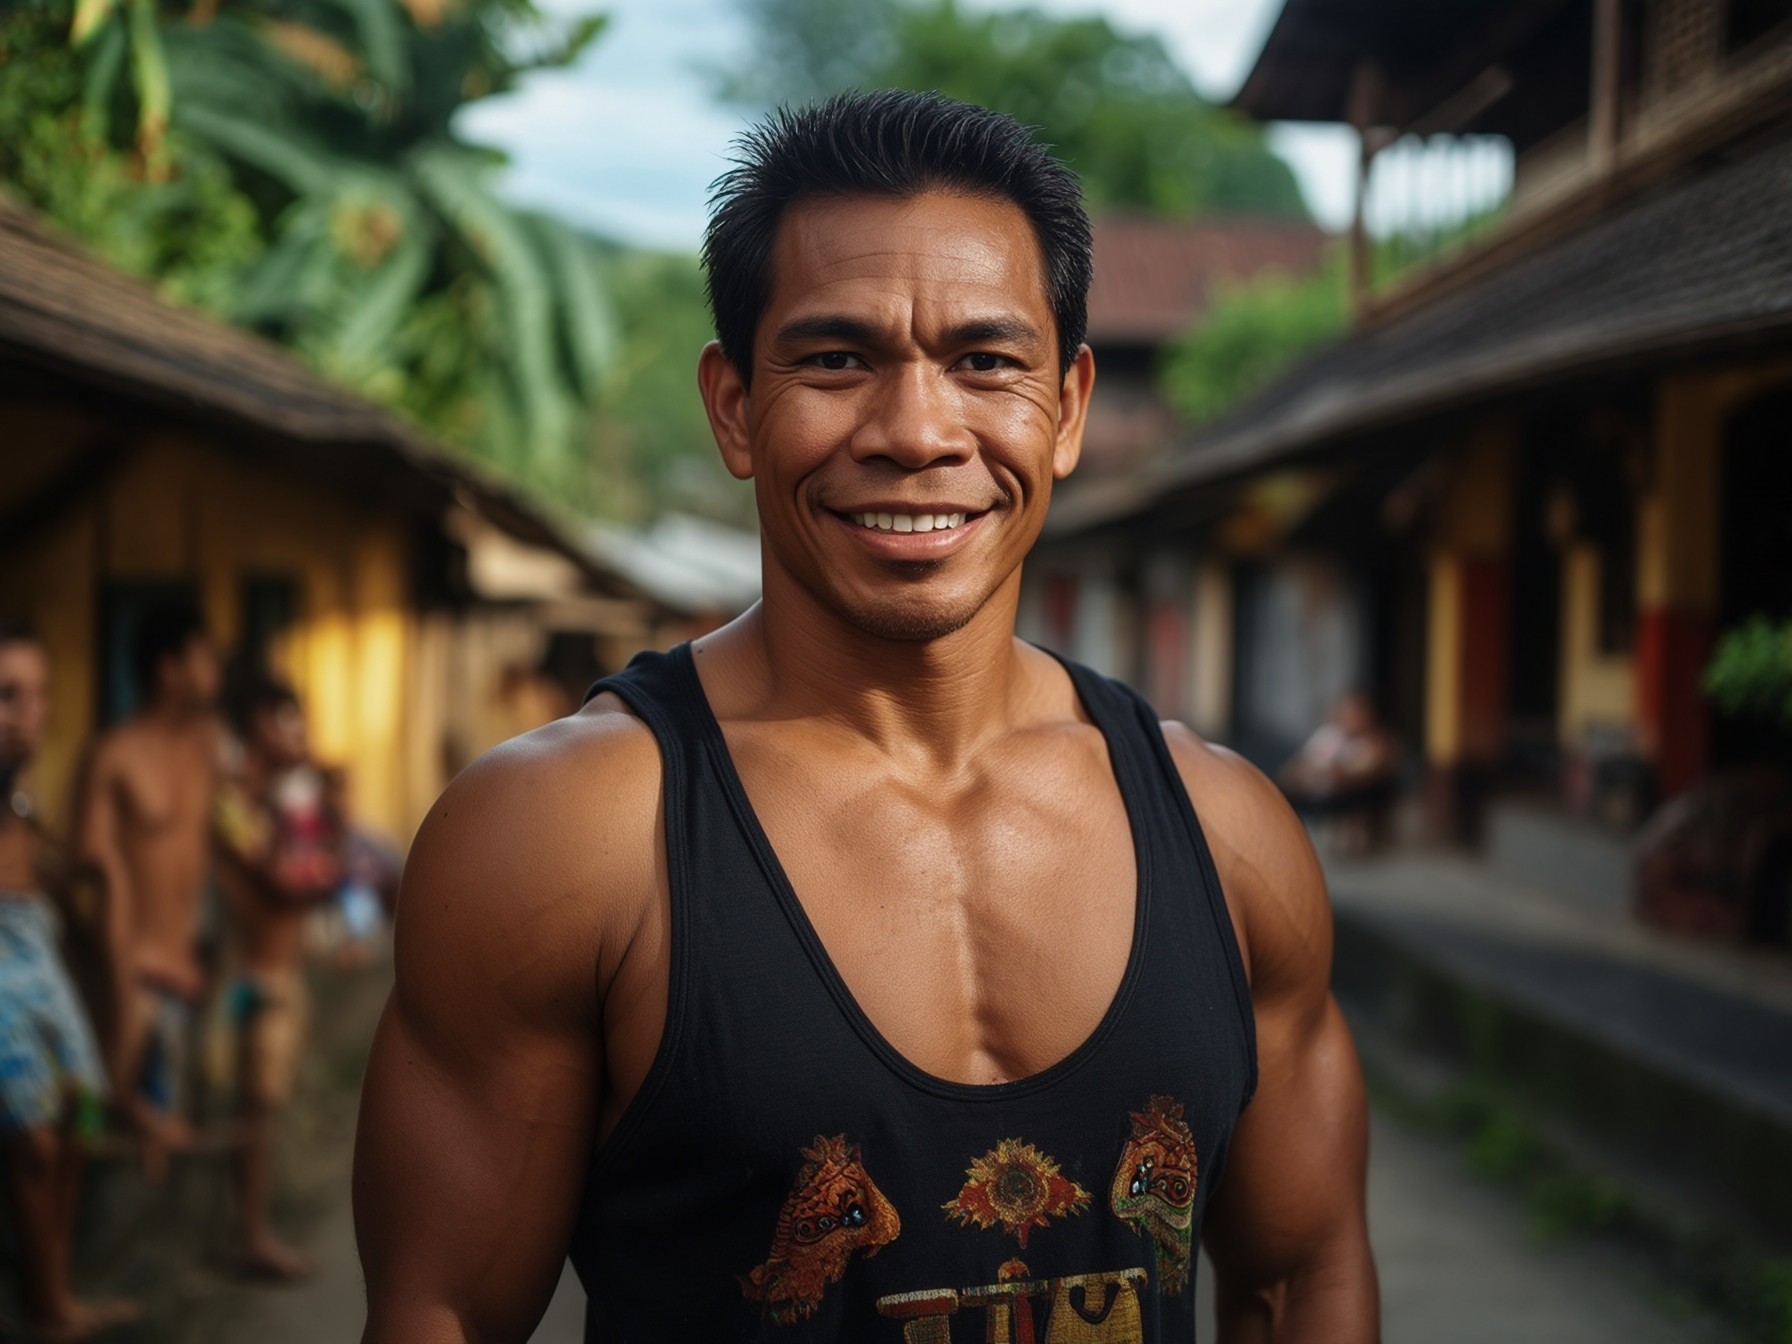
x: 1136, y: 737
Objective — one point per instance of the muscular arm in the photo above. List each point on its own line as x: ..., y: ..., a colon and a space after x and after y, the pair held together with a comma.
x: 1286, y: 1233
x: 480, y: 1103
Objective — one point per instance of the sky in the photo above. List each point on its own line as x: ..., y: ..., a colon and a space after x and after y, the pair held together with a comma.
x: 628, y: 142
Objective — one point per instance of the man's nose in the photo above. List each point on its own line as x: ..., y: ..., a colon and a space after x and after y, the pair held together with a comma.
x: 915, y: 419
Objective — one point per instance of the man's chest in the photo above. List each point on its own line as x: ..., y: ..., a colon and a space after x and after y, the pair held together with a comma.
x: 983, y: 923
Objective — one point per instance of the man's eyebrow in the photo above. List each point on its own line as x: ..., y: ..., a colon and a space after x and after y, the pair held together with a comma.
x: 994, y: 331
x: 827, y: 327
x: 841, y: 327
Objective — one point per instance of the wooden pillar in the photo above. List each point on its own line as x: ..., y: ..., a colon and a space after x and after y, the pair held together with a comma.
x: 1366, y: 97
x: 1677, y: 580
x: 1468, y: 635
x: 1606, y: 83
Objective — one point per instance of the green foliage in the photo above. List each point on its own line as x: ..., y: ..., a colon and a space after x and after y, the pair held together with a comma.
x: 651, y: 436
x: 1249, y: 335
x: 293, y: 166
x: 193, y: 231
x: 1114, y: 106
x: 1750, y: 674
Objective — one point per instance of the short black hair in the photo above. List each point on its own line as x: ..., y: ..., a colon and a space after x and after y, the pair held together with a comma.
x: 16, y: 632
x: 259, y: 693
x: 164, y: 631
x: 887, y: 143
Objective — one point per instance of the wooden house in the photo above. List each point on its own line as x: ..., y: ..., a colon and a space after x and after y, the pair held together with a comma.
x: 1542, y: 472
x: 149, y: 453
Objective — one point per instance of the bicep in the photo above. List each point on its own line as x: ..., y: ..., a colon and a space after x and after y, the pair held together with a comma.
x: 1292, y: 1198
x: 1287, y: 1225
x: 468, y: 1166
x: 479, y: 1104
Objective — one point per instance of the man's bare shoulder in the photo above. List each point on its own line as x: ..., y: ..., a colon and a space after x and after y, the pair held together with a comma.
x: 539, y: 854
x: 1271, y: 877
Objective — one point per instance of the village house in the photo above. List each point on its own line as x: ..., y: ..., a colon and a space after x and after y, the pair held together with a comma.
x: 1543, y: 472
x: 422, y: 610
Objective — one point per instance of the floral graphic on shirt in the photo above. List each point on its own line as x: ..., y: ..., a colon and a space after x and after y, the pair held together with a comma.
x: 1154, y: 1187
x: 1018, y: 1186
x: 833, y: 1212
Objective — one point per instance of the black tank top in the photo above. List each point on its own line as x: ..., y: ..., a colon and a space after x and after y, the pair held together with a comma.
x: 785, y: 1175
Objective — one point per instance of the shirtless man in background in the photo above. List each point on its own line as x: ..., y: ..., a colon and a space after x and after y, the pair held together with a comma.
x: 279, y: 854
x: 143, y: 817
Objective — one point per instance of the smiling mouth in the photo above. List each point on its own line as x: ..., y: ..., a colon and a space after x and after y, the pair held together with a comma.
x: 908, y: 522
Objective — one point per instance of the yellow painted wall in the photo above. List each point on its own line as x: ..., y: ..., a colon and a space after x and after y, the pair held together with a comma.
x: 177, y: 508
x: 1596, y: 688
x: 1679, y: 550
x: 1443, y: 659
x: 1210, y: 658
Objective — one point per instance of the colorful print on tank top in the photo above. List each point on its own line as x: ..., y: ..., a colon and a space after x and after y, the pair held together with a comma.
x: 832, y: 1212
x: 1079, y: 1309
x: 1154, y: 1188
x: 1018, y: 1186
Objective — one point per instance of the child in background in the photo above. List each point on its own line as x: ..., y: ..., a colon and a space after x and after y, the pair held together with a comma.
x: 280, y: 837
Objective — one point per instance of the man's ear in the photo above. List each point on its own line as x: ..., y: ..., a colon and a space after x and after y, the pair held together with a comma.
x: 725, y: 399
x: 1073, y: 412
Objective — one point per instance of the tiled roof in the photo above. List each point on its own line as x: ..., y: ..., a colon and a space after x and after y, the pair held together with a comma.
x: 1700, y: 264
x: 69, y: 315
x: 1154, y: 277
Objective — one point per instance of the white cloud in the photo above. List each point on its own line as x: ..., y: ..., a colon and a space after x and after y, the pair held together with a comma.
x: 629, y: 141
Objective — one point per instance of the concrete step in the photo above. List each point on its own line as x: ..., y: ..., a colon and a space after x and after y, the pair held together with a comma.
x: 1564, y: 855
x: 1667, y: 1078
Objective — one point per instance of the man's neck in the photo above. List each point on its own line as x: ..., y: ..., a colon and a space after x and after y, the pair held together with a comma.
x: 791, y: 656
x: 171, y: 713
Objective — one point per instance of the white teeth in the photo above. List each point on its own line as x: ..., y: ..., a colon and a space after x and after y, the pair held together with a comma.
x: 908, y: 522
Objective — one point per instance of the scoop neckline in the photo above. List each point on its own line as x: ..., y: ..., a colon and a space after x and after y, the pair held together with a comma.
x: 716, y: 742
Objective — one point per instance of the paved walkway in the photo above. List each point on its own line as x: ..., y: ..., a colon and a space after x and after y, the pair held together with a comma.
x: 1714, y: 1014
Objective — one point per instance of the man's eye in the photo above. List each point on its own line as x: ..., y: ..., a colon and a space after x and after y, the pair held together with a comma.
x: 982, y: 362
x: 836, y: 360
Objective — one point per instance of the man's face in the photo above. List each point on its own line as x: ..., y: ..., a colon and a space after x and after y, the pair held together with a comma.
x: 193, y: 677
x: 907, y: 417
x: 279, y: 733
x: 24, y: 702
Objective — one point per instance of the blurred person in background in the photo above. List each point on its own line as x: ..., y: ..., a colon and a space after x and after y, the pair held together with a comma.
x: 281, y: 838
x: 52, y: 1084
x: 143, y: 818
x: 1343, y: 776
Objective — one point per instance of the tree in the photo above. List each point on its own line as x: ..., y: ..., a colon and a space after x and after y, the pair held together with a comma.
x: 292, y: 164
x: 1250, y: 334
x: 1114, y: 106
x: 651, y: 434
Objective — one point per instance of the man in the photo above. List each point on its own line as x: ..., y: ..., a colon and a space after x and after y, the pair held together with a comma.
x: 1345, y: 774
x: 860, y: 972
x: 143, y: 820
x: 280, y: 853
x: 51, y: 1082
